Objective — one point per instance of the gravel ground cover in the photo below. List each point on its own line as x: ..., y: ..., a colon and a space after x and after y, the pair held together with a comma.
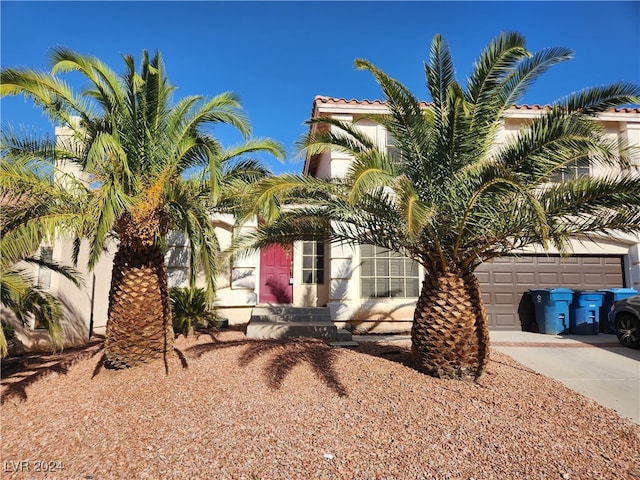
x: 233, y: 408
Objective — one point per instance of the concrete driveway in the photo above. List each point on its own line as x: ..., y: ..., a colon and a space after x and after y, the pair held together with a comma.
x: 596, y: 366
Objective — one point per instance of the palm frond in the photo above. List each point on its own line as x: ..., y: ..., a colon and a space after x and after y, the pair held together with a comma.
x: 599, y: 99
x: 369, y: 171
x: 528, y: 71
x: 417, y: 214
x: 498, y: 60
x: 328, y: 133
x: 53, y: 95
x: 107, y: 86
x: 440, y: 74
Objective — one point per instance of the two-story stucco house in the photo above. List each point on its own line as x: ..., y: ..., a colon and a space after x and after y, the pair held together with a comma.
x: 368, y: 286
x: 364, y: 287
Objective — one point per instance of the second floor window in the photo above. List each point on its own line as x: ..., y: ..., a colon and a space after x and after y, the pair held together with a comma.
x: 575, y: 169
x: 392, y: 149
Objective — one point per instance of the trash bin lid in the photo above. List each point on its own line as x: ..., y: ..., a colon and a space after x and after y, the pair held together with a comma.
x: 632, y: 291
x: 555, y: 290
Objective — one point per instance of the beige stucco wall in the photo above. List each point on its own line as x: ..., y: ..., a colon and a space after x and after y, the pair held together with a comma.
x: 236, y: 284
x: 237, y: 279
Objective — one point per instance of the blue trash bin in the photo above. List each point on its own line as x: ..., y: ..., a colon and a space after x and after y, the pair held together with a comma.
x: 612, y: 295
x: 552, y: 309
x: 584, y: 313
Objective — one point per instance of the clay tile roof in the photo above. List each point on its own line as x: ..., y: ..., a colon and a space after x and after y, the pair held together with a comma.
x: 344, y: 101
x: 353, y: 101
x: 628, y: 110
x: 543, y: 107
x: 529, y: 107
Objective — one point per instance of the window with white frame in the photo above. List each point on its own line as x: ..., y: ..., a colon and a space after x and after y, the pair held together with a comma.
x: 313, y: 263
x: 392, y: 149
x: 573, y: 170
x: 44, y: 274
x: 385, y: 274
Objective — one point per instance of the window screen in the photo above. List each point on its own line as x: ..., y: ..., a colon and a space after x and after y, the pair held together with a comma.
x: 387, y: 274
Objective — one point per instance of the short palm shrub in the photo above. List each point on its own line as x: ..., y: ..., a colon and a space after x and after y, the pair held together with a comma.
x: 8, y: 336
x: 190, y: 309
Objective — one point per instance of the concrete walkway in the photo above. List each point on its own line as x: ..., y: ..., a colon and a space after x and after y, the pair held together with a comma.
x: 596, y: 366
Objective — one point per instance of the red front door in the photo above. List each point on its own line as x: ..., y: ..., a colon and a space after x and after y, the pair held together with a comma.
x: 275, y: 273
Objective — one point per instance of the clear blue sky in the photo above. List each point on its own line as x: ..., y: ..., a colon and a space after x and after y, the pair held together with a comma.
x: 277, y: 56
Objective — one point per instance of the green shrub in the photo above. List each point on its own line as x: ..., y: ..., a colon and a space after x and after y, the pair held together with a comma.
x: 190, y: 309
x: 9, y: 331
x: 8, y: 334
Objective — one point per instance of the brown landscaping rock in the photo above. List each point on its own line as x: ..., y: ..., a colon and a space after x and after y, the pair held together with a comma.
x: 236, y: 408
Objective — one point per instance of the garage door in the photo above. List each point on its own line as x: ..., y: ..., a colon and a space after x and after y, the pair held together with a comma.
x: 505, y: 282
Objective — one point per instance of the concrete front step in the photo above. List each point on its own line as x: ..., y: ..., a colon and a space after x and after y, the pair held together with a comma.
x: 344, y: 335
x: 265, y: 330
x: 294, y: 322
x: 290, y: 314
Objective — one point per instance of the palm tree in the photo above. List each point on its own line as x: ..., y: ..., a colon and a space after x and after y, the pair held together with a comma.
x: 154, y: 167
x: 35, y: 208
x: 454, y: 199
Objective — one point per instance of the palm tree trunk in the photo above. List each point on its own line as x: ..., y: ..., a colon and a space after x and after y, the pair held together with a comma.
x: 139, y: 327
x: 449, y: 336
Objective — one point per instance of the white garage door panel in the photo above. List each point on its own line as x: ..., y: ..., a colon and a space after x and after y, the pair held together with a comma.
x: 502, y: 278
x: 503, y: 321
x: 505, y: 280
